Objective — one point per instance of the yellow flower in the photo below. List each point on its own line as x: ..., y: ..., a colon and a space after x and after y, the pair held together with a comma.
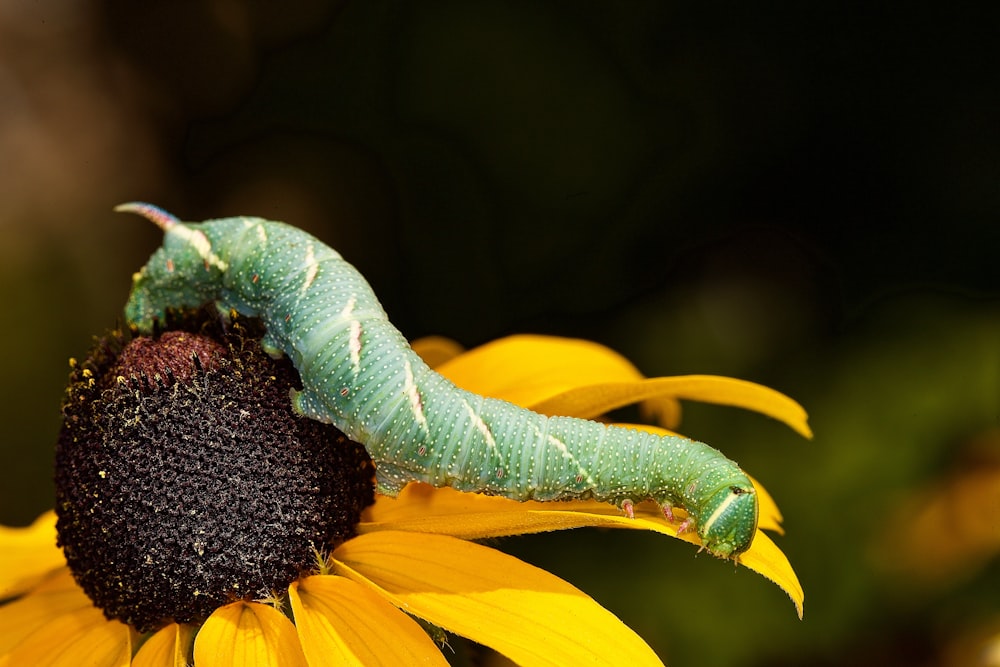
x: 409, y: 557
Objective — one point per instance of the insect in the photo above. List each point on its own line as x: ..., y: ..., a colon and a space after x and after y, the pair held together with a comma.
x: 359, y: 373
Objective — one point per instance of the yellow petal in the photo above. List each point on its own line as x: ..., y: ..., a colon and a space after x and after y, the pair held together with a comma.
x: 435, y: 350
x: 471, y: 516
x: 527, y: 369
x: 168, y: 647
x: 341, y: 622
x: 579, y: 378
x: 770, y: 516
x: 71, y: 639
x: 763, y: 556
x: 420, y: 508
x: 424, y: 509
x: 597, y: 399
x: 767, y: 560
x: 56, y: 596
x: 523, y: 612
x: 248, y: 634
x: 28, y: 554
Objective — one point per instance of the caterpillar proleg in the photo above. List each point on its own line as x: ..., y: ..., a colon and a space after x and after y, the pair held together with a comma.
x: 360, y: 374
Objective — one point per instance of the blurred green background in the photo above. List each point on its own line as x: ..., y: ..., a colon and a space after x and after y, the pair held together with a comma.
x: 804, y: 195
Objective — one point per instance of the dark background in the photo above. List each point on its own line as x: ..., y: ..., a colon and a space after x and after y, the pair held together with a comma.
x: 804, y: 195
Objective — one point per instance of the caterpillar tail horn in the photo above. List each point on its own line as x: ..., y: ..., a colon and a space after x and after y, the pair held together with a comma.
x: 154, y: 214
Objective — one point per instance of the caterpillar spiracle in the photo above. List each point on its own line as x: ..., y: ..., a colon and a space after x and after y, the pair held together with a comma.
x: 359, y: 373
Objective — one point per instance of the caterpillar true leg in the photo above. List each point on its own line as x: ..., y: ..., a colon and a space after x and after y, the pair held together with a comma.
x: 668, y: 512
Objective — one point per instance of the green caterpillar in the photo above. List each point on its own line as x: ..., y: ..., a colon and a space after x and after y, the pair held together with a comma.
x: 359, y: 373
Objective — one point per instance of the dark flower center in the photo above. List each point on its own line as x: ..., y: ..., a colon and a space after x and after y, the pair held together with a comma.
x: 185, y: 481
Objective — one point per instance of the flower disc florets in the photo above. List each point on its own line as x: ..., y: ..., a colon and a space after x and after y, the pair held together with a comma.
x: 185, y: 481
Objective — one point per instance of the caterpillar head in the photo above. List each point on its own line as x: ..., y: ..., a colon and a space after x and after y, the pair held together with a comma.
x: 727, y: 523
x: 184, y: 272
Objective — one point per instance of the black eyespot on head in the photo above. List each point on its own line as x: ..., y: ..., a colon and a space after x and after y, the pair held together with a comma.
x: 738, y: 491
